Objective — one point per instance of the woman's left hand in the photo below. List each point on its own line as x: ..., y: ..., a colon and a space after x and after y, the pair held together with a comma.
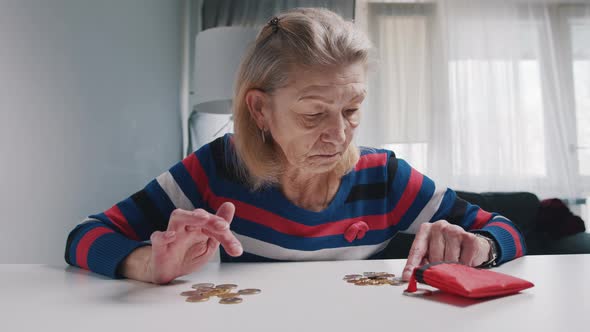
x: 441, y: 241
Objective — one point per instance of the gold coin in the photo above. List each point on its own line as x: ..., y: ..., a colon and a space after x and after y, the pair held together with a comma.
x: 362, y: 283
x: 216, y: 292
x: 249, y: 291
x: 203, y: 285
x: 226, y: 286
x: 352, y: 276
x: 227, y: 295
x: 231, y: 300
x: 197, y: 298
x: 190, y: 293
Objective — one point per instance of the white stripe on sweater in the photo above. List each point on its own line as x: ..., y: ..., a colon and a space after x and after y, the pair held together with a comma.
x: 273, y: 251
x: 174, y: 192
x: 428, y: 211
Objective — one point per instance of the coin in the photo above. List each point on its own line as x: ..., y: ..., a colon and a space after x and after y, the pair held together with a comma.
x: 226, y: 286
x: 190, y: 293
x: 352, y: 276
x: 197, y: 298
x: 231, y: 300
x: 203, y: 285
x: 374, y: 279
x: 228, y: 295
x: 418, y: 292
x: 216, y: 292
x: 249, y: 291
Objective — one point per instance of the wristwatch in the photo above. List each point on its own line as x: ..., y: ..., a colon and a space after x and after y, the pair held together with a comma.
x: 493, y: 255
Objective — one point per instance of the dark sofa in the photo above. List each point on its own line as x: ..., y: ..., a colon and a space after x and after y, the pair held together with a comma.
x: 520, y: 207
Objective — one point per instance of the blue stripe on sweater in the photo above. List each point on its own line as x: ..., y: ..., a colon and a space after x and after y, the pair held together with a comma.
x: 187, y: 185
x: 399, y: 184
x: 424, y: 195
x: 445, y: 206
x: 135, y: 219
x: 160, y: 199
x: 81, y: 230
x: 507, y: 249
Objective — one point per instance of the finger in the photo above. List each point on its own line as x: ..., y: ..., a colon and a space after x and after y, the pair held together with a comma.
x: 201, y: 249
x: 417, y: 251
x: 452, y: 238
x: 226, y: 211
x: 424, y: 261
x: 193, y: 220
x: 469, y: 249
x: 160, y: 240
x: 228, y: 240
x: 436, y: 244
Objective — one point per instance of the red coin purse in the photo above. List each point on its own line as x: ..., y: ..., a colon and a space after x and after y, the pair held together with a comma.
x: 463, y: 280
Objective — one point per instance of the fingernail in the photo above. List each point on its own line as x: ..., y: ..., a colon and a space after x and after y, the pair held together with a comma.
x: 170, y: 234
x: 237, y: 247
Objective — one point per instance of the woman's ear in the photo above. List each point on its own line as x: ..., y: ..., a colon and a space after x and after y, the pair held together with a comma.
x: 257, y: 100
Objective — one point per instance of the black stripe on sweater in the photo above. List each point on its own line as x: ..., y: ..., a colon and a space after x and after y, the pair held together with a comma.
x: 457, y: 211
x: 149, y: 210
x: 391, y: 168
x: 367, y: 191
x: 225, y: 161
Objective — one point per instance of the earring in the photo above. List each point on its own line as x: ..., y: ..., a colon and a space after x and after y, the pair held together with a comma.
x: 263, y: 136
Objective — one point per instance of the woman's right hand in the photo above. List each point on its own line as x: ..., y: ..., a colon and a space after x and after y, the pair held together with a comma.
x: 189, y: 242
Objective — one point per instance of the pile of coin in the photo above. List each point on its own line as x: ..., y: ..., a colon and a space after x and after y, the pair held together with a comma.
x: 225, y: 292
x: 374, y: 279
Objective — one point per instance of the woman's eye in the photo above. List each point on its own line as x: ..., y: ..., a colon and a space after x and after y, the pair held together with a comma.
x: 351, y: 111
x: 312, y: 116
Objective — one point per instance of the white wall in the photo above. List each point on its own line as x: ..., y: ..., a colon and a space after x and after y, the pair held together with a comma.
x: 89, y: 113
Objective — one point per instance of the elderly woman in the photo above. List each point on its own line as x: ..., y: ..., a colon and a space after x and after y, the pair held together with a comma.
x: 290, y: 184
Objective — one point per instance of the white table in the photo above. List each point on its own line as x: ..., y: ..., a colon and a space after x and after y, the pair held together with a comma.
x: 308, y: 296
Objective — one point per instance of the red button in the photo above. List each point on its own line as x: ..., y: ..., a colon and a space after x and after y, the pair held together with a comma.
x: 357, y: 230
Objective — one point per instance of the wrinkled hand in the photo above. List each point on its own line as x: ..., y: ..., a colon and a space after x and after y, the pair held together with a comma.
x: 189, y: 242
x: 441, y: 241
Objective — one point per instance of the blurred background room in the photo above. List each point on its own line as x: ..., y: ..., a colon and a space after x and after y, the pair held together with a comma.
x: 98, y: 97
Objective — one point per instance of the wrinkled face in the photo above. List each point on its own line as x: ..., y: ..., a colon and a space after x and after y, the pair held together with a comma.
x: 313, y: 119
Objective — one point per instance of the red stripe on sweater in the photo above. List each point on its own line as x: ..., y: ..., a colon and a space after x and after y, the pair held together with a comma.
x: 290, y: 227
x: 371, y: 160
x: 480, y: 219
x: 86, y: 242
x: 408, y: 196
x: 512, y: 232
x: 194, y: 168
x: 117, y: 217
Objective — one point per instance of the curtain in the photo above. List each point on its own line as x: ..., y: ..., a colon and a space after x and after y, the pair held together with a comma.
x: 202, y: 127
x: 483, y: 95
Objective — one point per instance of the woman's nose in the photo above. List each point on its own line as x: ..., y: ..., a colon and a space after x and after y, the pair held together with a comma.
x: 335, y: 132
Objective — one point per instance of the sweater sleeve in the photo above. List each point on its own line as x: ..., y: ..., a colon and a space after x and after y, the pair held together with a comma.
x: 102, y: 241
x: 431, y: 202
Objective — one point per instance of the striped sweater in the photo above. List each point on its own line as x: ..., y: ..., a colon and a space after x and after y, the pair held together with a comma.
x: 381, y: 196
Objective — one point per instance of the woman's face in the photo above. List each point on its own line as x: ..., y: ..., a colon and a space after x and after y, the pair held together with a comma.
x: 313, y: 119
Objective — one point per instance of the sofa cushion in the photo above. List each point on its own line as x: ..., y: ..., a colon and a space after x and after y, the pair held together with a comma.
x: 520, y: 207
